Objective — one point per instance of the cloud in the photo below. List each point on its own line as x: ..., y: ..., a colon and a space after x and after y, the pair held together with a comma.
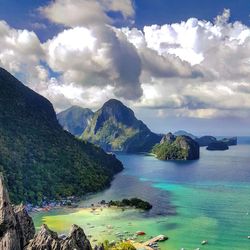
x: 98, y: 57
x: 20, y: 49
x: 74, y: 13
x: 125, y: 7
x: 194, y: 68
x: 223, y: 18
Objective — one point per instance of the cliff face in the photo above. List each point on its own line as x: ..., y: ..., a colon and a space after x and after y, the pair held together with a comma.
x: 16, y: 226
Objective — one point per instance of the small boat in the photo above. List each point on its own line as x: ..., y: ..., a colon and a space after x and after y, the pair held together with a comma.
x: 204, y: 242
x: 248, y: 237
x: 162, y: 237
x: 140, y: 233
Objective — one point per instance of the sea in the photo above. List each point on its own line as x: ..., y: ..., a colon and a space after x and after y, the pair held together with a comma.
x: 193, y: 201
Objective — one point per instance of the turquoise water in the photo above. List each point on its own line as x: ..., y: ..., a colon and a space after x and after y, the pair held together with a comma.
x: 208, y: 199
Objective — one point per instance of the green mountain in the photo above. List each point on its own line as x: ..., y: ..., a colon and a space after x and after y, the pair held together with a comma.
x: 38, y: 158
x: 174, y: 147
x: 75, y: 119
x: 115, y: 127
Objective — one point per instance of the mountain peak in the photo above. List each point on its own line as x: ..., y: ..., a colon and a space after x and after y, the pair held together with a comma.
x: 116, y: 110
x: 115, y: 127
x: 75, y: 119
x: 113, y: 102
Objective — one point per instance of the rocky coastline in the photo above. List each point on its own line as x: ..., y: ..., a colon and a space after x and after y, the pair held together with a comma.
x: 17, y: 230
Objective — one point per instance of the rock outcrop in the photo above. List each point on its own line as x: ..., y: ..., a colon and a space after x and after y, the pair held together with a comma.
x: 177, y: 148
x: 16, y: 226
x: 46, y: 239
x: 169, y: 137
x: 25, y: 225
x: 17, y: 230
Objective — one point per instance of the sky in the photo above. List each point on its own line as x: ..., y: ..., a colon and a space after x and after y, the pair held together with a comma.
x: 177, y: 64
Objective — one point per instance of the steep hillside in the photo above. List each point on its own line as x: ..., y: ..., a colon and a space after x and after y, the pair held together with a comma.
x: 38, y: 158
x: 75, y: 119
x: 115, y: 127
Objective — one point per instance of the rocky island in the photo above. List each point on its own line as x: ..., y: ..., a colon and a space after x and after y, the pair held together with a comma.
x: 212, y: 143
x: 230, y: 141
x: 174, y: 147
x: 133, y: 202
x: 217, y: 145
x: 204, y: 141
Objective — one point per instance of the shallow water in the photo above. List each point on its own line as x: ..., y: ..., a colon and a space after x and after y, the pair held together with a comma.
x: 192, y: 201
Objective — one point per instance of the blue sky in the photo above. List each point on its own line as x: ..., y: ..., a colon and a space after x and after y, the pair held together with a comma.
x: 178, y: 64
x: 21, y: 14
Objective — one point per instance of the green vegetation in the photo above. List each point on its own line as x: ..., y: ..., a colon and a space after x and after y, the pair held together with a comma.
x: 38, y: 158
x: 123, y: 246
x: 115, y: 127
x: 134, y: 202
x: 118, y: 246
x: 176, y: 148
x: 170, y: 151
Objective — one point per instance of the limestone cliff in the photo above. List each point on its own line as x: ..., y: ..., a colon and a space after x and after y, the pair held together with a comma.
x: 47, y: 239
x: 16, y: 226
x: 17, y: 231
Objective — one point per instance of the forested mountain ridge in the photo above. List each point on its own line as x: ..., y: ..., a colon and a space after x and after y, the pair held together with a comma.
x: 37, y: 157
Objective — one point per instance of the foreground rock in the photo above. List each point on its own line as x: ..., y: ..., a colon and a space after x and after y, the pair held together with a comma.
x: 174, y: 147
x: 47, y: 239
x: 16, y: 226
x: 17, y: 230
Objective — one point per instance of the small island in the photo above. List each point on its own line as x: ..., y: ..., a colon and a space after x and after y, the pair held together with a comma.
x: 133, y: 202
x: 217, y: 145
x: 174, y: 147
x: 230, y: 141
